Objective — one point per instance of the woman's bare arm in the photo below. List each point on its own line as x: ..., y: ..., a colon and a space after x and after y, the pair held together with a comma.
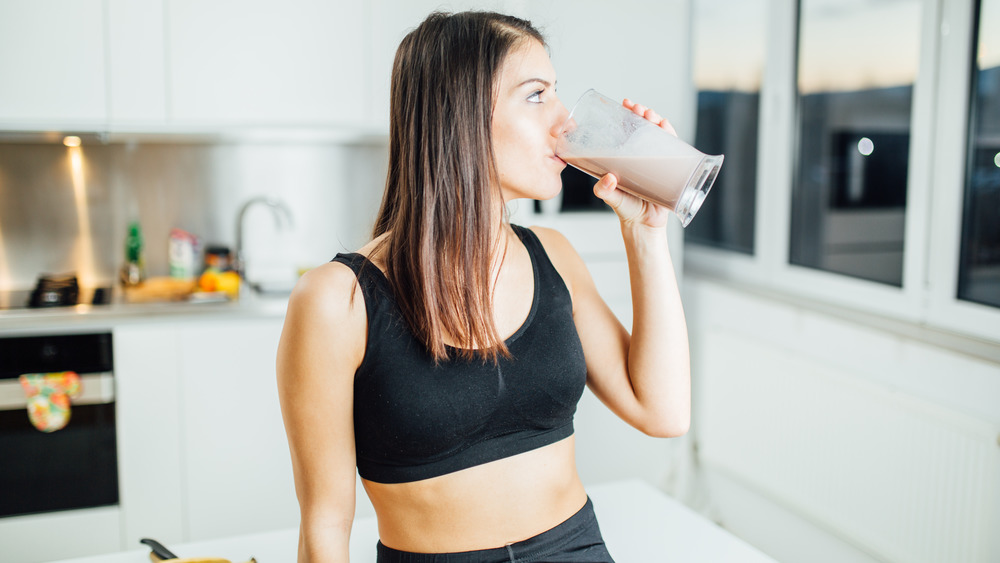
x: 643, y: 377
x: 322, y: 344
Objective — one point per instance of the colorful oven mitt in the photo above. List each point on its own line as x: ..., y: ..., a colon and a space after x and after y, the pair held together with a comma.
x: 48, y: 398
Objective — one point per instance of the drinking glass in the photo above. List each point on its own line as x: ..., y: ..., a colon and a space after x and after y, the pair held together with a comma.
x: 601, y: 136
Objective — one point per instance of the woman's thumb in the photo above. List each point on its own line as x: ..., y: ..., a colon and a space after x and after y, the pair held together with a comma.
x: 605, y: 186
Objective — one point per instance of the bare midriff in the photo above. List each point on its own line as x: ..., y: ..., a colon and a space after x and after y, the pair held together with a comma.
x: 481, y: 507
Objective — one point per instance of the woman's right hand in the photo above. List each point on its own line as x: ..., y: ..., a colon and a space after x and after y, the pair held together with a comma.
x: 632, y: 210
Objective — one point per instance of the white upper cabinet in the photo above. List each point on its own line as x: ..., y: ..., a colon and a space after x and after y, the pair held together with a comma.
x: 52, y: 64
x: 215, y: 65
x: 259, y: 63
x: 391, y: 20
x: 136, y: 59
x: 626, y: 49
x: 631, y: 48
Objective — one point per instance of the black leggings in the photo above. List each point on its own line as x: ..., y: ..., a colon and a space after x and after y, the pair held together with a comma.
x: 577, y: 540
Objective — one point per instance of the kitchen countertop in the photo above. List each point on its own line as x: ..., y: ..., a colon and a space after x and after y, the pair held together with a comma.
x: 85, y: 317
x: 640, y: 524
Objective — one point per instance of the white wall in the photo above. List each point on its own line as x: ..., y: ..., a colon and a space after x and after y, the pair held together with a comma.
x: 830, y: 436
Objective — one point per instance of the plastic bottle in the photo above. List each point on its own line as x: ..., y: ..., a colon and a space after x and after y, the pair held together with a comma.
x: 181, y: 252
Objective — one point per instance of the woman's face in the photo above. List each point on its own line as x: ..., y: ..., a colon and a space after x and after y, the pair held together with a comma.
x: 527, y: 120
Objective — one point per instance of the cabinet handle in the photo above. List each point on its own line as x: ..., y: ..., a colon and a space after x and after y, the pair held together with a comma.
x: 95, y: 389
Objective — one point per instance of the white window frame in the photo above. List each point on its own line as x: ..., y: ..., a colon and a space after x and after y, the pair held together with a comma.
x: 939, y: 129
x: 944, y: 309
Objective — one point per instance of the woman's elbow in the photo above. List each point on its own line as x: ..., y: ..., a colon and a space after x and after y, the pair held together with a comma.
x: 669, y: 426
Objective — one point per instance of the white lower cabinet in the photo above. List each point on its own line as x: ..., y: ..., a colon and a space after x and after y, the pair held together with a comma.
x: 202, y: 448
x: 149, y: 439
x: 236, y: 466
x: 60, y: 535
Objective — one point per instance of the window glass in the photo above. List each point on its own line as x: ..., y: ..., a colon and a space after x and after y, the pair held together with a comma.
x: 857, y: 64
x: 979, y: 271
x: 729, y: 51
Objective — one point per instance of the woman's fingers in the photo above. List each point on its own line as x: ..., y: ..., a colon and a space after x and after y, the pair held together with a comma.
x: 665, y: 125
x: 605, y: 188
x: 629, y: 208
x: 625, y: 205
x: 650, y: 115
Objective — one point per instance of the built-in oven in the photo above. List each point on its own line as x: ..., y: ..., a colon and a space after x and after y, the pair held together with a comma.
x: 72, y: 467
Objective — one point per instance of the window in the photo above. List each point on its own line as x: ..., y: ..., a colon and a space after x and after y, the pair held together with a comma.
x: 979, y: 268
x: 728, y: 75
x: 857, y: 65
x: 876, y: 188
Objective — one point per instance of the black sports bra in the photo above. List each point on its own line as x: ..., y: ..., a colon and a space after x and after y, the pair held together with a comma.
x: 414, y: 420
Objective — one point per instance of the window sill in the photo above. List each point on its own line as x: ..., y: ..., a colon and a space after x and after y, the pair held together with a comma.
x: 977, y: 347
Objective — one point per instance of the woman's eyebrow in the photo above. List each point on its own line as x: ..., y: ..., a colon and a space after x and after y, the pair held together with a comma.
x: 544, y: 82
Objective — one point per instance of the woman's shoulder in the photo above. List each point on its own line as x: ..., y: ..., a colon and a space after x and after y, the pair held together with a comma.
x: 328, y: 291
x: 331, y: 292
x: 556, y: 245
x: 561, y: 253
x: 325, y: 322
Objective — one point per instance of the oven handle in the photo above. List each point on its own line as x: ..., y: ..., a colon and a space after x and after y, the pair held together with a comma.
x: 95, y: 389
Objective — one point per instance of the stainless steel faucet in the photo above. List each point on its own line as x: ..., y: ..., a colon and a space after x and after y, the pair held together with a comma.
x: 282, y: 215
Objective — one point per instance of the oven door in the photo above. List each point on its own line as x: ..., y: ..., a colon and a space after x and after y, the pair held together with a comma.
x: 75, y: 467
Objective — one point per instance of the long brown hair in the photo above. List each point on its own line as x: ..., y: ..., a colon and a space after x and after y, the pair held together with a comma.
x: 442, y: 185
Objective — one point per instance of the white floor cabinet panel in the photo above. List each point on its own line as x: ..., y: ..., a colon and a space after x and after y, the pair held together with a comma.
x: 236, y: 466
x: 149, y: 446
x: 59, y: 535
x: 202, y: 448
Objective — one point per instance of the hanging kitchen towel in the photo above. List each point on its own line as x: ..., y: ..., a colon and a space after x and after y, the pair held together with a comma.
x: 48, y: 398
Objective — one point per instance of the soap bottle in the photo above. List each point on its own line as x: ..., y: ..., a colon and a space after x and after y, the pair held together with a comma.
x: 134, y: 270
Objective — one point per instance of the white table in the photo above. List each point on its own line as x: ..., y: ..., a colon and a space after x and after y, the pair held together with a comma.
x: 640, y: 525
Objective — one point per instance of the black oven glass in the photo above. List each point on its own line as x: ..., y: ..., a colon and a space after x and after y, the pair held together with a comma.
x: 75, y: 467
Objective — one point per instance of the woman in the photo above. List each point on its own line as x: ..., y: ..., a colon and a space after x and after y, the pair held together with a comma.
x: 444, y: 359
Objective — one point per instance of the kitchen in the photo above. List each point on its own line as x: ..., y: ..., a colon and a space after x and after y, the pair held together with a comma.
x: 186, y: 111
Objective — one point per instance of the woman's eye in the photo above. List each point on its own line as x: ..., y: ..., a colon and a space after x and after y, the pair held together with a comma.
x: 536, y: 97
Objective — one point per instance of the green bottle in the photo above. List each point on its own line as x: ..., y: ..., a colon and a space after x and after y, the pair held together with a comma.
x: 134, y: 270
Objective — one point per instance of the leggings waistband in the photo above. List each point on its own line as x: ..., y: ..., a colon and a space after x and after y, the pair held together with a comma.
x: 546, y: 542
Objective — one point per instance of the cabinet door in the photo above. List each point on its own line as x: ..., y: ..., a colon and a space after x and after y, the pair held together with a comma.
x: 52, y: 64
x: 391, y: 21
x: 149, y: 438
x: 239, y: 62
x: 237, y: 468
x: 136, y: 60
